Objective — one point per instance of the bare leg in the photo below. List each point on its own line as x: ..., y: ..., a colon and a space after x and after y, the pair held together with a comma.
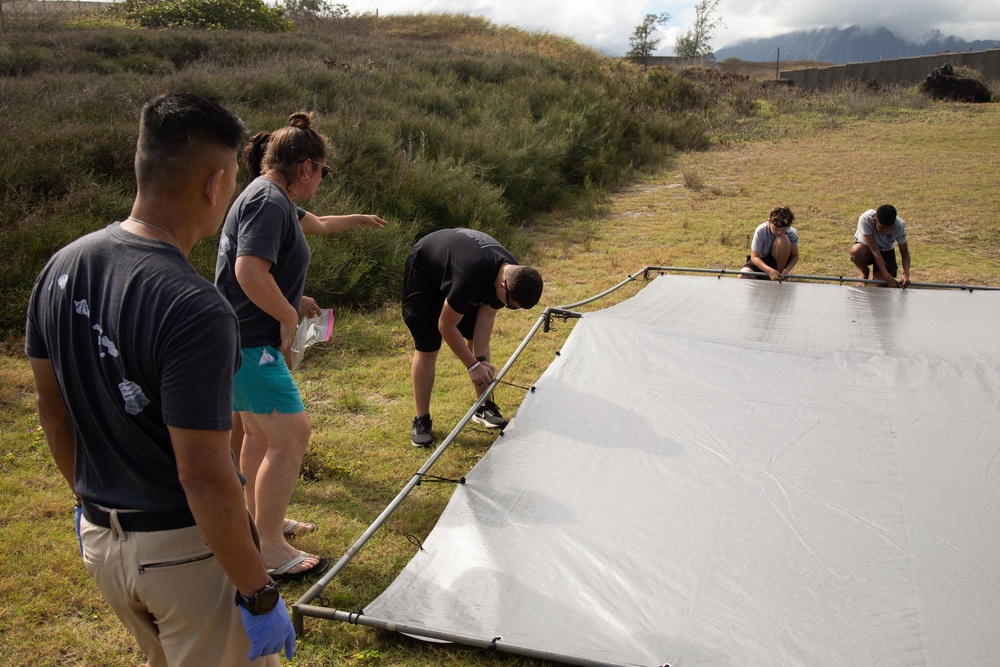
x: 252, y: 450
x: 236, y: 436
x: 422, y: 377
x: 236, y: 439
x: 272, y: 457
x: 861, y: 255
x: 781, y: 250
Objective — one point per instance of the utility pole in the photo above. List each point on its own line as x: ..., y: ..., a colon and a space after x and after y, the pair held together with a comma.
x: 777, y: 69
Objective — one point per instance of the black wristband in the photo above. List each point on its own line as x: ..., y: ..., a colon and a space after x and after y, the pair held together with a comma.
x: 480, y: 358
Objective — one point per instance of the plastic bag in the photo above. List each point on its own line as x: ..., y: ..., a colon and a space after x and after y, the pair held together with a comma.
x: 311, y: 330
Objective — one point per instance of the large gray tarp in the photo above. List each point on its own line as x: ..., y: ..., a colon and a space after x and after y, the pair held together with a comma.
x: 733, y: 472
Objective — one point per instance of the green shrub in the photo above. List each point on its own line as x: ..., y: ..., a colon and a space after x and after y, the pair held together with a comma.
x: 203, y: 14
x: 671, y: 92
x: 23, y: 61
x: 439, y: 101
x: 743, y: 98
x: 486, y: 69
x: 444, y: 193
x: 684, y: 131
x: 80, y: 61
x: 113, y: 43
x: 361, y: 267
x: 263, y: 90
x: 970, y: 72
x: 145, y: 64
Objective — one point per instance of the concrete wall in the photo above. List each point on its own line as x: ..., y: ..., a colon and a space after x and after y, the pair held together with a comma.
x: 900, y: 72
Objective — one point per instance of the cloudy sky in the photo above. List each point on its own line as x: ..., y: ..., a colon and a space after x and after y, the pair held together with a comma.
x: 606, y: 24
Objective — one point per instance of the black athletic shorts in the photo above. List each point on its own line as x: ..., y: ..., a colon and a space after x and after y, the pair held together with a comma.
x: 889, y: 257
x: 422, y: 304
x: 768, y: 259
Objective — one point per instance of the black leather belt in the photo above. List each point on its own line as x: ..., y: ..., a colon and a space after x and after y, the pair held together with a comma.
x: 137, y: 521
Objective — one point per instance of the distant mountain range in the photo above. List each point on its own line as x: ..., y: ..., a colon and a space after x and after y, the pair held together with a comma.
x: 850, y: 45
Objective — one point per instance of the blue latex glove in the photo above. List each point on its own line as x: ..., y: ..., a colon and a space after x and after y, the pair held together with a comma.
x: 79, y: 540
x: 269, y: 632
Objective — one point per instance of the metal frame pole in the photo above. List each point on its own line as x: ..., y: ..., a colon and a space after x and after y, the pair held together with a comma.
x: 302, y: 607
x: 834, y: 279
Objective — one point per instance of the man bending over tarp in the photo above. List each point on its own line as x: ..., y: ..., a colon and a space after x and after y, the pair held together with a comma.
x: 454, y: 283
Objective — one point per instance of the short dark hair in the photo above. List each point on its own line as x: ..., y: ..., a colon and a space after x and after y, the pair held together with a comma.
x: 175, y: 127
x: 781, y: 216
x: 886, y: 215
x: 524, y: 286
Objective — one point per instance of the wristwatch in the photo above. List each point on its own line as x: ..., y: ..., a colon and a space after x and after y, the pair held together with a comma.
x: 261, y: 602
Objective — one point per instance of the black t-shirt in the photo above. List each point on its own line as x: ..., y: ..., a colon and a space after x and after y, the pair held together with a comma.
x: 464, y: 263
x: 262, y: 222
x: 138, y: 341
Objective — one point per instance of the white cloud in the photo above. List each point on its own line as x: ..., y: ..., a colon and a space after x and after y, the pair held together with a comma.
x: 908, y: 19
x: 607, y: 24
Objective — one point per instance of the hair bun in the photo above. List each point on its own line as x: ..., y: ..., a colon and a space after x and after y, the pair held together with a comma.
x: 301, y: 119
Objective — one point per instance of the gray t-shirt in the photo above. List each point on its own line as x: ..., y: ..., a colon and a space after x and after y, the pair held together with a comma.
x: 262, y: 222
x: 138, y: 341
x: 763, y: 239
x: 885, y: 242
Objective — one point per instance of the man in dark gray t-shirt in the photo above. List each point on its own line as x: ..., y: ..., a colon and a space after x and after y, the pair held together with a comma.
x: 139, y: 337
x: 133, y: 355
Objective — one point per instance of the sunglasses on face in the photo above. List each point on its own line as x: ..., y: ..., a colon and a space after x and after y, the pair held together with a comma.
x: 506, y: 299
x: 325, y: 167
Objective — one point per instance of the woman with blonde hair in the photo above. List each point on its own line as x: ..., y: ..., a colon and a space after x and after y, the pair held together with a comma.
x: 261, y: 270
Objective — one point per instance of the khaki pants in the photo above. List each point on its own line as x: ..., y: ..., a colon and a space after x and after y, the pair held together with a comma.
x: 171, y: 594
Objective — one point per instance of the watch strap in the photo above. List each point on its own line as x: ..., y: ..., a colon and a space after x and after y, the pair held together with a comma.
x: 250, y: 603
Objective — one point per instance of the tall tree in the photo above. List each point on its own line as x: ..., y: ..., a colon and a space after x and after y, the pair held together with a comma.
x: 695, y: 42
x: 642, y: 41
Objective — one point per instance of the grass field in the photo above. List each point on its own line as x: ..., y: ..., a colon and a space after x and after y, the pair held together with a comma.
x: 937, y: 165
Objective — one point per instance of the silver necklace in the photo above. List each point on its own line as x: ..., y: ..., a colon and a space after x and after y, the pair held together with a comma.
x: 159, y: 229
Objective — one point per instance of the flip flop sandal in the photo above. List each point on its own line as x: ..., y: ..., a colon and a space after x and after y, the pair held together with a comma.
x: 281, y: 573
x: 293, y: 528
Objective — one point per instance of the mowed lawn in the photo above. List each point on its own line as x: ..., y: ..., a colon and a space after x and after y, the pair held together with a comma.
x: 939, y: 167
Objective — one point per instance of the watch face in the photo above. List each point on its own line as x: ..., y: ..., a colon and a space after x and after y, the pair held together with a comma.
x: 267, y: 600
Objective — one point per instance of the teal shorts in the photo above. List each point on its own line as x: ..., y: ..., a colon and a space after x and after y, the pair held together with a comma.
x: 263, y: 384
